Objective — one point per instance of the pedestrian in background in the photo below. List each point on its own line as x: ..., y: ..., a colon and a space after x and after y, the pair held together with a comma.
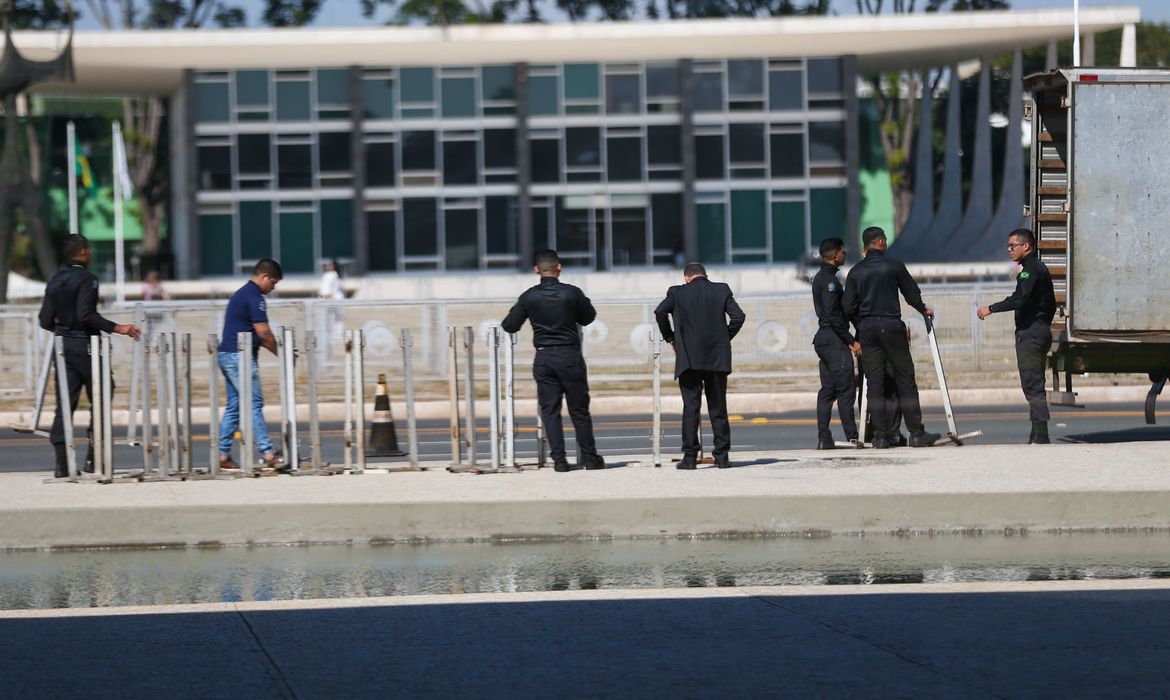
x: 1034, y: 304
x: 247, y: 312
x: 555, y: 309
x: 331, y: 282
x: 835, y: 347
x: 152, y: 288
x: 706, y: 318
x: 69, y: 310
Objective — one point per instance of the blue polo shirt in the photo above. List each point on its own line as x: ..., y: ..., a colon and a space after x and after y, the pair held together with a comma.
x: 245, y: 309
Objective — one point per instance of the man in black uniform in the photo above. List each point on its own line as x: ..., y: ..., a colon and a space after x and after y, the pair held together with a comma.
x: 871, y: 301
x: 835, y: 347
x: 706, y: 318
x: 70, y: 311
x: 555, y: 310
x: 1035, y: 304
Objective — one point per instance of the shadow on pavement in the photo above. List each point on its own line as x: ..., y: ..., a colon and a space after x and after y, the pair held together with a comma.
x: 1145, y: 433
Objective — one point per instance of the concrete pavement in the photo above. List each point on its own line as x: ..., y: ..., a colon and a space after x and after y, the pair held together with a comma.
x: 989, y: 640
x: 940, y: 489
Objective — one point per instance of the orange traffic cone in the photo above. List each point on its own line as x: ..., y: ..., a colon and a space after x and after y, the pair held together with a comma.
x: 383, y: 435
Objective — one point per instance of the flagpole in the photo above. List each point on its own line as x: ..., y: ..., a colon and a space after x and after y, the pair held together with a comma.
x: 119, y: 233
x: 1076, y: 33
x: 71, y: 147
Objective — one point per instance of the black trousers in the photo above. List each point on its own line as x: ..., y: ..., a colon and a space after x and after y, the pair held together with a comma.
x: 78, y: 375
x: 836, y: 366
x: 560, y: 373
x: 884, y: 347
x: 1032, y: 347
x: 692, y: 384
x: 893, y: 410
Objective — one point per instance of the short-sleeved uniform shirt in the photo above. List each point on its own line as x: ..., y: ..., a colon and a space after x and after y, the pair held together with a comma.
x: 246, y: 308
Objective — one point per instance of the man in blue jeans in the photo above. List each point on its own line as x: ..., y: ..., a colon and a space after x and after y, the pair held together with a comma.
x: 247, y: 312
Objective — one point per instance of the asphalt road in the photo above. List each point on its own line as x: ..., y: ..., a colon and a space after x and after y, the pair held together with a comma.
x: 630, y: 435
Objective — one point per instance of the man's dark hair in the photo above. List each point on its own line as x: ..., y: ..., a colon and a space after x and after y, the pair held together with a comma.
x: 871, y: 235
x: 830, y: 246
x: 268, y: 266
x: 546, y: 260
x: 75, y: 245
x: 694, y: 270
x: 1025, y: 235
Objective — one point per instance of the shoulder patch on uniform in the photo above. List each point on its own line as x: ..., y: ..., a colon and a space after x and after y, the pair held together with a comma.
x: 832, y: 286
x: 263, y: 305
x: 95, y: 284
x: 1025, y: 275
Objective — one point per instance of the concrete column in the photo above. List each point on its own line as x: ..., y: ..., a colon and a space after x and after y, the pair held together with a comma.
x: 922, y: 211
x: 1128, y: 46
x: 978, y: 212
x: 1050, y: 58
x: 184, y: 224
x: 1089, y: 50
x: 525, y: 245
x: 852, y: 152
x: 357, y: 151
x: 690, y: 224
x: 949, y: 212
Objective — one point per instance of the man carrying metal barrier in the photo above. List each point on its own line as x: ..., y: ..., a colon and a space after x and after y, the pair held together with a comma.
x: 706, y: 318
x: 69, y: 310
x: 555, y: 309
x: 1034, y: 304
x: 871, y: 301
x: 835, y: 347
x: 247, y: 312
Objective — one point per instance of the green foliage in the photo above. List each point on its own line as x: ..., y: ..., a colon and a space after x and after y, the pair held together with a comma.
x: 39, y: 14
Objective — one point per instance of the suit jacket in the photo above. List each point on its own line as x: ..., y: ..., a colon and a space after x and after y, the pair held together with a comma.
x: 706, y: 318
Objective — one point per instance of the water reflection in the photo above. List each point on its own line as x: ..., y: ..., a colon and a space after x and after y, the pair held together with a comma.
x: 161, y: 576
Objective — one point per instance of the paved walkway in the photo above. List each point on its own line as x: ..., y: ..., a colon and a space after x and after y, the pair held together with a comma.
x: 1018, y: 640
x: 947, y: 488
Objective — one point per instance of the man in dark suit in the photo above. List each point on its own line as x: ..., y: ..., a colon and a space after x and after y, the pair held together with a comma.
x: 706, y: 318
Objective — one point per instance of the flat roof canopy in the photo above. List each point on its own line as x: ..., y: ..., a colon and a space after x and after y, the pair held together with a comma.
x: 151, y: 61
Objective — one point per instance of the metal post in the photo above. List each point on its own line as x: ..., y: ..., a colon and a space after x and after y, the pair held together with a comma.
x: 453, y: 394
x: 282, y: 383
x: 187, y: 443
x: 42, y: 389
x: 494, y: 396
x: 135, y: 377
x: 244, y: 385
x: 213, y: 404
x: 147, y: 418
x: 107, y: 390
x: 63, y: 403
x: 469, y: 392
x: 314, y: 416
x: 540, y: 441
x: 408, y: 379
x: 347, y: 430
x: 164, y: 446
x: 292, y: 454
x: 96, y: 408
x: 510, y: 401
x: 656, y: 379
x: 173, y: 407
x: 359, y: 386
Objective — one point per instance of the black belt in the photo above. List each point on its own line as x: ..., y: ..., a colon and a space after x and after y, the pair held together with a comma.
x: 67, y: 333
x: 567, y: 345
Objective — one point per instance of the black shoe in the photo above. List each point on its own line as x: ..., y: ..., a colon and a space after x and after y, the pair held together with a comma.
x: 723, y: 462
x: 826, y: 444
x: 1039, y: 434
x: 898, y: 440
x: 562, y: 465
x: 595, y: 462
x: 881, y: 443
x: 687, y: 462
x: 923, y: 439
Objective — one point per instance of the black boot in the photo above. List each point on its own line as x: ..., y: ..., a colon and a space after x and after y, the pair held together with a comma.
x: 1040, y: 433
x: 921, y: 438
x: 62, y: 469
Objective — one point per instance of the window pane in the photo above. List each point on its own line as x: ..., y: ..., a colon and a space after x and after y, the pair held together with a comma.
x: 749, y: 219
x: 574, y: 229
x: 296, y: 242
x: 712, y: 232
x: 747, y: 143
x: 827, y: 214
x: 582, y: 146
x: 418, y: 84
x: 542, y: 95
x: 581, y: 81
x: 826, y: 141
x: 378, y: 98
x: 381, y: 232
x: 501, y: 225
x: 499, y: 83
x: 252, y: 88
x: 707, y: 92
x: 215, y: 168
x: 788, y: 240
x: 292, y: 101
x: 824, y: 75
x: 787, y: 155
x: 666, y: 211
x: 254, y: 154
x: 380, y: 165
x: 255, y: 230
x: 335, y: 155
x: 333, y: 86
x: 458, y: 97
x: 663, y: 145
x: 541, y: 231
x: 336, y: 228
x: 628, y: 234
x: 418, y: 150
x: 462, y: 233
x: 623, y: 159
x: 623, y: 94
x: 784, y: 90
x: 420, y: 227
x: 212, y: 103
x: 499, y: 148
x: 459, y: 163
x: 661, y: 80
x: 709, y: 157
x: 745, y: 78
x: 296, y: 166
x: 546, y: 160
x: 215, y: 244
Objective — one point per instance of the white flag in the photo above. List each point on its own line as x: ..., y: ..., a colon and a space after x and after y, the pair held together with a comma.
x: 121, y: 167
